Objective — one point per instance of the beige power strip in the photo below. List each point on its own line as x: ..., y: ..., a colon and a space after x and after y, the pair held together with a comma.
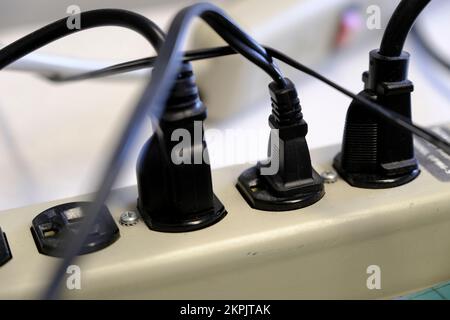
x: 328, y: 250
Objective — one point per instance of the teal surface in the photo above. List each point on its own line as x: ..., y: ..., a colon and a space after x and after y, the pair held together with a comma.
x: 439, y: 292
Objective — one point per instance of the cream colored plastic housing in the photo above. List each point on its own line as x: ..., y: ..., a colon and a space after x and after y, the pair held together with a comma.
x: 322, y: 251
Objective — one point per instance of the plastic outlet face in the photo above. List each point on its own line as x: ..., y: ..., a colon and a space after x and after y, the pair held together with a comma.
x: 318, y: 252
x: 49, y: 226
x: 5, y: 252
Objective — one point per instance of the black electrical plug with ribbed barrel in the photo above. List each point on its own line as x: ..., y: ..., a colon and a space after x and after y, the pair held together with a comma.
x: 287, y: 181
x: 376, y: 153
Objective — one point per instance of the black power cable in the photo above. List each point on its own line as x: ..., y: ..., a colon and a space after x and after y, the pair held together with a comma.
x: 212, y: 15
x: 123, y: 18
x: 152, y: 102
x: 55, y: 31
x: 138, y: 64
x: 399, y: 26
x: 376, y: 154
x: 89, y: 19
x: 391, y: 116
x: 156, y: 93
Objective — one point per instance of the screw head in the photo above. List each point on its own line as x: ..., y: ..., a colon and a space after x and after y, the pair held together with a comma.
x: 329, y: 176
x: 129, y: 218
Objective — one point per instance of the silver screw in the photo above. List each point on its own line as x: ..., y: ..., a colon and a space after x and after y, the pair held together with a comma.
x: 329, y: 176
x: 129, y: 218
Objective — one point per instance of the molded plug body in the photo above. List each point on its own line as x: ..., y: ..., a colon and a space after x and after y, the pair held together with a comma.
x: 5, y: 252
x: 174, y: 178
x: 375, y: 153
x: 287, y: 181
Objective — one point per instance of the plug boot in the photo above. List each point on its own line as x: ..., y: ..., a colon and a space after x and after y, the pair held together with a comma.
x: 174, y: 177
x: 375, y: 153
x: 288, y: 181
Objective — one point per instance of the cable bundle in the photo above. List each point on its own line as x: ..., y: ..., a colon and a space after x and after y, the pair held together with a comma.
x: 166, y: 67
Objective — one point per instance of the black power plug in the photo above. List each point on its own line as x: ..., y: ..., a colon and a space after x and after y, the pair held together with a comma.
x: 375, y: 153
x: 288, y: 181
x: 174, y: 179
x: 5, y: 252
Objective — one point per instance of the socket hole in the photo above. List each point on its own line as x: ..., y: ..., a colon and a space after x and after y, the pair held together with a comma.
x: 48, y: 231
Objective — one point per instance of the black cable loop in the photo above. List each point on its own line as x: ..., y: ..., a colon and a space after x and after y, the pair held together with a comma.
x: 89, y: 19
x: 399, y: 25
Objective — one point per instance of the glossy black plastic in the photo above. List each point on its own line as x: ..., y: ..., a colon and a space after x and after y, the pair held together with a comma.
x: 173, y: 172
x: 295, y: 184
x: 5, y: 252
x: 49, y: 227
x: 375, y: 153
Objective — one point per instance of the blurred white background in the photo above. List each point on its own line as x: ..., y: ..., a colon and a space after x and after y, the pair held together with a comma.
x: 55, y: 138
x: 21, y: 12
